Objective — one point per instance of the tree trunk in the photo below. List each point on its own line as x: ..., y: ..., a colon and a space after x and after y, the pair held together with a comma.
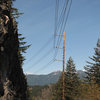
x: 13, y: 85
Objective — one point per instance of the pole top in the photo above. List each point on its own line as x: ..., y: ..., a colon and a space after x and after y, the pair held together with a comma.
x: 64, y: 36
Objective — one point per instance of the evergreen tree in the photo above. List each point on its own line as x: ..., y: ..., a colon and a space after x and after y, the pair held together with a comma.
x: 22, y: 44
x: 89, y: 91
x: 22, y: 48
x: 13, y: 87
x: 71, y: 80
x: 57, y: 93
x: 71, y: 83
x: 93, y: 68
x: 15, y: 13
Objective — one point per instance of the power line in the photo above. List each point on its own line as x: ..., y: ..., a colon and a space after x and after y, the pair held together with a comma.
x: 45, y: 66
x: 64, y: 25
x: 40, y: 59
x: 57, y: 26
x: 67, y: 19
x: 62, y: 14
x: 40, y: 50
x: 61, y: 29
x: 67, y: 16
x: 56, y: 19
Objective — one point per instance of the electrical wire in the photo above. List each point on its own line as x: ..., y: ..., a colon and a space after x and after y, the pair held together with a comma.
x: 58, y: 28
x: 45, y: 66
x: 58, y: 43
x: 56, y: 20
x: 67, y: 19
x: 62, y: 14
x: 61, y: 31
x: 40, y: 59
x: 40, y: 50
x: 67, y: 16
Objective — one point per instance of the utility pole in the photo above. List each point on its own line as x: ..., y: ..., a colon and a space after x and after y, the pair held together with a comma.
x: 63, y: 85
x: 63, y: 98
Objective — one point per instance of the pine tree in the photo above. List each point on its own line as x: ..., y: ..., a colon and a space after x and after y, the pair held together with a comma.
x: 22, y: 44
x: 71, y: 80
x: 71, y: 83
x: 14, y: 85
x: 89, y: 91
x: 57, y: 93
x: 15, y: 13
x: 93, y: 68
x: 22, y: 48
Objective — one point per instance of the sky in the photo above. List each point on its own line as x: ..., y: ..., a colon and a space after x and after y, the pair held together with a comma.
x: 37, y: 26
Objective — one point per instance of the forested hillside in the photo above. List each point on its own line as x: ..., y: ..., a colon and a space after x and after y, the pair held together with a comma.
x: 51, y: 78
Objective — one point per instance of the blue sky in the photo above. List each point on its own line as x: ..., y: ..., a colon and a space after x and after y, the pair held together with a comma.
x: 37, y: 25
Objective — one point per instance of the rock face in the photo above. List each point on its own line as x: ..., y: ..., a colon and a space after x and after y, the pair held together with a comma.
x: 13, y: 85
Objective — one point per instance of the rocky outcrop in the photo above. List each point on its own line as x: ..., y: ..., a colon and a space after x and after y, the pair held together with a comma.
x: 13, y: 84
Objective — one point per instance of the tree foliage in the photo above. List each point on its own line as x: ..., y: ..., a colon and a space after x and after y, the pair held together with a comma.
x: 22, y: 44
x: 71, y: 80
x: 93, y: 68
x: 71, y: 83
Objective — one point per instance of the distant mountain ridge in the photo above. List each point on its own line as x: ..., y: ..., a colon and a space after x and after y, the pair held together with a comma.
x: 48, y: 79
